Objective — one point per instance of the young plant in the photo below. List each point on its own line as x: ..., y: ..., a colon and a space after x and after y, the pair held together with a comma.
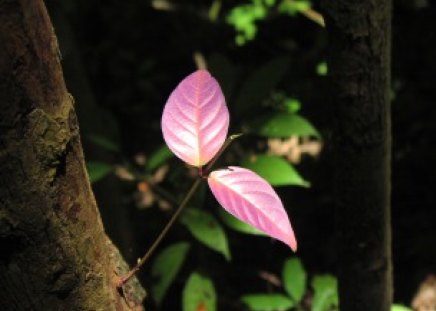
x: 195, y: 123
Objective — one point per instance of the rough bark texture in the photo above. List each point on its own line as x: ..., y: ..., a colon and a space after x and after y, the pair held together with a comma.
x: 54, y: 252
x: 359, y: 66
x: 96, y: 121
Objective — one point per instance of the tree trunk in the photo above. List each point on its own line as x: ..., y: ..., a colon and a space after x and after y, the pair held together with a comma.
x: 359, y: 66
x: 54, y: 252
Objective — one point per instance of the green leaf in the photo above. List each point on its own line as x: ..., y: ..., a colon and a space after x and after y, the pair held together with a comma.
x: 260, y: 84
x: 292, y: 105
x: 274, y: 169
x: 199, y: 294
x: 165, y: 268
x: 294, y: 278
x: 158, y: 157
x: 206, y: 229
x: 237, y: 225
x: 267, y: 302
x: 104, y: 142
x: 325, y: 292
x: 322, y: 69
x: 396, y: 307
x: 283, y: 125
x: 294, y: 7
x: 98, y: 170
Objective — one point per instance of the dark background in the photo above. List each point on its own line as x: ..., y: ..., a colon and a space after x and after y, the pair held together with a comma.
x: 121, y: 60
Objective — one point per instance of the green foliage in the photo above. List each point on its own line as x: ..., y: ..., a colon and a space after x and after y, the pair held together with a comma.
x: 292, y: 7
x: 275, y: 170
x: 322, y: 69
x: 267, y: 302
x: 103, y: 142
x: 206, y: 229
x: 98, y: 170
x: 244, y: 17
x: 158, y: 157
x: 325, y: 296
x: 237, y: 225
x: 292, y: 105
x: 165, y: 268
x: 396, y: 307
x: 260, y: 84
x: 294, y: 279
x: 199, y: 294
x: 283, y: 125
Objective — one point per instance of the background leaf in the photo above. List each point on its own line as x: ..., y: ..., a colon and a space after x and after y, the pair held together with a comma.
x: 224, y: 71
x: 206, y: 229
x: 400, y: 308
x: 250, y: 198
x: 267, y: 302
x: 282, y: 125
x: 275, y: 170
x: 98, y: 170
x: 103, y: 142
x: 195, y: 119
x: 158, y: 157
x: 294, y: 278
x: 199, y: 294
x: 165, y: 268
x: 325, y: 292
x: 237, y: 225
x: 259, y: 85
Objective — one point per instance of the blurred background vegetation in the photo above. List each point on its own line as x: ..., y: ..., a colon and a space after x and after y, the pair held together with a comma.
x: 122, y: 59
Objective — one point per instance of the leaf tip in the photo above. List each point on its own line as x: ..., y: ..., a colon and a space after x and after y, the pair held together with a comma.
x: 293, y: 243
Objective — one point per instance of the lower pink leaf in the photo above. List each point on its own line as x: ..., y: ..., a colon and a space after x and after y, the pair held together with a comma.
x: 251, y: 199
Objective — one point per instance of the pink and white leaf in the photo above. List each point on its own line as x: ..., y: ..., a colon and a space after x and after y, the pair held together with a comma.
x: 195, y: 119
x: 251, y: 199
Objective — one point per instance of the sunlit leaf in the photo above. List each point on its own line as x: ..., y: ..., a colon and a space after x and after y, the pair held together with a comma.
x: 195, y: 119
x: 260, y: 84
x: 165, y: 268
x: 158, y: 157
x: 275, y: 170
x: 98, y: 170
x: 267, y: 302
x: 237, y: 225
x: 400, y: 308
x: 206, y: 229
x: 103, y: 142
x: 199, y: 294
x: 251, y: 199
x: 325, y: 295
x: 294, y: 279
x: 283, y: 125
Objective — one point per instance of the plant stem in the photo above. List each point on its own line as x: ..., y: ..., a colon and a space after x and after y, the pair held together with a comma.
x: 220, y: 152
x: 203, y: 174
x: 124, y: 279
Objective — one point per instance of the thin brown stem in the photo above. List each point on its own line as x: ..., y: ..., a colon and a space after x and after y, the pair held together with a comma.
x: 124, y: 279
x: 203, y: 174
x: 220, y: 152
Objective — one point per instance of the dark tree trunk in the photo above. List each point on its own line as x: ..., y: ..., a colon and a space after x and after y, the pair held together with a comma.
x: 54, y: 252
x: 359, y: 66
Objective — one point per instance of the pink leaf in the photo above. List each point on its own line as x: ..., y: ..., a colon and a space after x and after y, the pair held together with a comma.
x: 195, y: 120
x: 251, y: 199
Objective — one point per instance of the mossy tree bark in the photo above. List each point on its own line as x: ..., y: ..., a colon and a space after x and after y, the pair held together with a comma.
x: 54, y: 251
x: 359, y: 67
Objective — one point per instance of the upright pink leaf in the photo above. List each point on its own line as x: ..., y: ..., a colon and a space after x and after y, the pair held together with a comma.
x: 195, y: 120
x: 250, y: 198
